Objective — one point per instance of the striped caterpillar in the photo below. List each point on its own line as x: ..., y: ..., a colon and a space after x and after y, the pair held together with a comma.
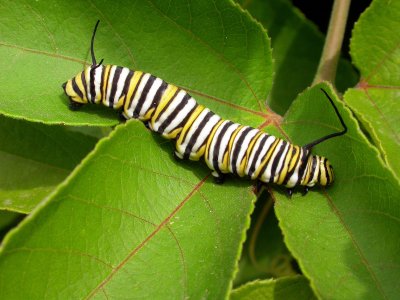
x: 227, y: 147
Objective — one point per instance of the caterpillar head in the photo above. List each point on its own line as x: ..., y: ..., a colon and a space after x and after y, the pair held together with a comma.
x: 75, y: 89
x: 318, y: 171
x: 84, y: 87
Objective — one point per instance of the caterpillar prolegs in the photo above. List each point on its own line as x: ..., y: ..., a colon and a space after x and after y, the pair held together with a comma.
x: 226, y: 147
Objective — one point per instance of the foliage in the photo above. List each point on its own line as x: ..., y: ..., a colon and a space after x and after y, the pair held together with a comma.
x: 120, y: 218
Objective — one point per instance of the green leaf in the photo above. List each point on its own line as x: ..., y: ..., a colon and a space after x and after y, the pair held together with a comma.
x: 345, y: 237
x: 376, y: 109
x: 297, y: 46
x: 375, y: 43
x: 214, y: 50
x: 130, y: 218
x: 375, y: 100
x: 34, y: 159
x: 296, y: 287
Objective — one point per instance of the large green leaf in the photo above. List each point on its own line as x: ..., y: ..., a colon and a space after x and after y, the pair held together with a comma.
x: 285, y: 288
x: 34, y: 159
x: 345, y: 237
x: 214, y: 50
x: 130, y: 222
x: 376, y: 99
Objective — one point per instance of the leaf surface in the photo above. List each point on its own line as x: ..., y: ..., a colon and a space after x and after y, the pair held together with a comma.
x: 131, y: 220
x: 338, y: 233
x: 124, y: 222
x: 34, y: 159
x: 376, y: 98
x: 215, y: 51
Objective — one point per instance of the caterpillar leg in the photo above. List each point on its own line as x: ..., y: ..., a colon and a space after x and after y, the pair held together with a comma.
x: 74, y: 105
x: 258, y: 186
x: 289, y: 192
x: 219, y: 178
x: 121, y: 116
x: 306, y: 189
x: 147, y: 124
x: 177, y: 155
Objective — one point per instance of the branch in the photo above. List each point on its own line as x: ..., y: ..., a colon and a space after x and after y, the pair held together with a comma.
x: 333, y: 43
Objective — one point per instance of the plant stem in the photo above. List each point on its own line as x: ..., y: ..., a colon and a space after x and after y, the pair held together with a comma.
x: 333, y: 43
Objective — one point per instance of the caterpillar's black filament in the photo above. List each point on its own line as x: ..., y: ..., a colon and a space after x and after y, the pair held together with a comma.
x: 227, y: 147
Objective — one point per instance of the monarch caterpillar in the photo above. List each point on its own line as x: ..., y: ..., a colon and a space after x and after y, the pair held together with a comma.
x: 227, y: 147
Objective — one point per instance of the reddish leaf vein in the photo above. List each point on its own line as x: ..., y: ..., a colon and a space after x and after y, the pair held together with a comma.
x: 149, y: 237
